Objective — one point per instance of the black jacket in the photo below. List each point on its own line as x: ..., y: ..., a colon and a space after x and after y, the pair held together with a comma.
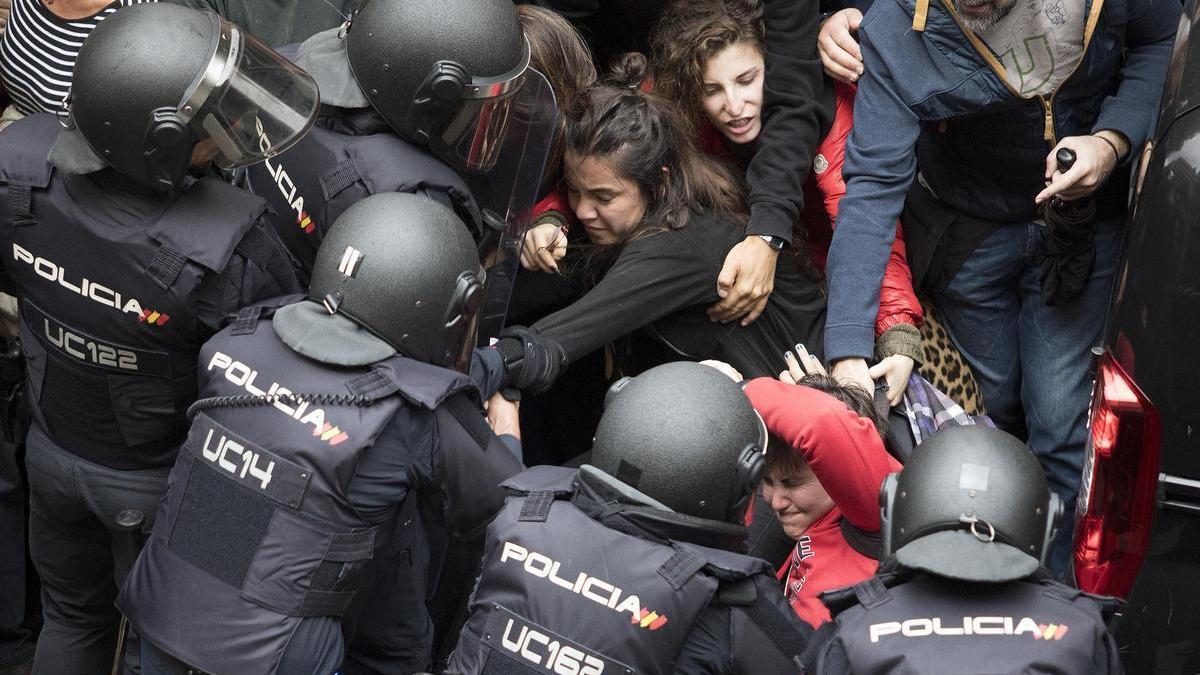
x: 665, y: 282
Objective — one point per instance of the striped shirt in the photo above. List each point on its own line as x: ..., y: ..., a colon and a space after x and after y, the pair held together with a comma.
x: 38, y: 51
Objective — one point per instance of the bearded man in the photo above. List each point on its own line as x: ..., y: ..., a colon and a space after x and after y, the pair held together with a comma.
x: 974, y: 99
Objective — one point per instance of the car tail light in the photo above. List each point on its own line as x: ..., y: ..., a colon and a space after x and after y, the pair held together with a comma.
x: 1120, y: 484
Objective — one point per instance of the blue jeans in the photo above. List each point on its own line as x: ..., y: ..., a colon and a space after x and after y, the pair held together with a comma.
x: 1032, y: 361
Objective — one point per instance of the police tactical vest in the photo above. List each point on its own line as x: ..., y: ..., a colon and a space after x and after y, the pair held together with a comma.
x: 256, y: 531
x: 108, y: 297
x: 312, y: 183
x: 933, y: 625
x: 562, y: 593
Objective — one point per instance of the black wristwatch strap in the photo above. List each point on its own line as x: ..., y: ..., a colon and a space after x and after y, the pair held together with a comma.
x: 777, y: 243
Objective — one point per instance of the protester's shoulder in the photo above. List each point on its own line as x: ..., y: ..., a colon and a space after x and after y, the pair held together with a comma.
x: 888, y: 17
x: 888, y: 26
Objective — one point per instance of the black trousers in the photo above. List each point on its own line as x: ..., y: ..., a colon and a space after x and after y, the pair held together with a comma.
x: 16, y: 633
x: 77, y: 550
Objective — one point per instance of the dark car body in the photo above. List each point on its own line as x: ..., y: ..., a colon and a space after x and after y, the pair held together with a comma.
x: 1153, y: 333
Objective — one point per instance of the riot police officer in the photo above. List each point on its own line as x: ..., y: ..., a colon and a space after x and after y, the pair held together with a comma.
x: 966, y: 528
x: 431, y: 97
x: 316, y: 420
x: 427, y: 96
x: 125, y: 262
x: 629, y: 563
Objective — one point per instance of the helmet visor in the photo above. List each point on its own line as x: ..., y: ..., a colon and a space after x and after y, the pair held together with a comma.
x: 509, y: 188
x: 250, y: 102
x: 472, y: 138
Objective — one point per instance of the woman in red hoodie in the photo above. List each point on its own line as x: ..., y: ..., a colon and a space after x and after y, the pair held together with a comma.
x: 708, y: 54
x: 825, y: 463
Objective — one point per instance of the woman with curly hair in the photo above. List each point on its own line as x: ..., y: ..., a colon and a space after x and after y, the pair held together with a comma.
x: 708, y: 55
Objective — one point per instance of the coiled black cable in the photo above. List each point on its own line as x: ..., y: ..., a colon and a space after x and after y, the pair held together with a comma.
x: 250, y: 400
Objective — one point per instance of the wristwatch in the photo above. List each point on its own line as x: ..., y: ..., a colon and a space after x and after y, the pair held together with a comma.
x: 776, y: 243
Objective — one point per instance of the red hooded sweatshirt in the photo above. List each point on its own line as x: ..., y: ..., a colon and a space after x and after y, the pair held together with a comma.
x: 848, y: 458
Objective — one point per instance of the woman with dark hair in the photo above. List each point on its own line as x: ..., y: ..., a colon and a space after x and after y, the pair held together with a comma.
x: 660, y: 217
x: 708, y: 55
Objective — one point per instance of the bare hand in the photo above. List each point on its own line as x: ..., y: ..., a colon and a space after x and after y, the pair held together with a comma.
x: 854, y: 372
x: 800, y: 364
x: 5, y: 8
x: 838, y: 47
x: 504, y: 415
x: 1094, y: 162
x: 745, y: 282
x: 724, y: 368
x: 545, y: 244
x: 894, y: 370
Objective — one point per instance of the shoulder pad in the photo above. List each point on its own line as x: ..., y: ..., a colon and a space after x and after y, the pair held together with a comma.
x: 1056, y: 589
x: 226, y: 212
x: 1109, y: 606
x: 419, y: 383
x: 557, y: 479
x: 840, y: 599
x: 246, y: 321
x: 737, y: 593
x: 415, y: 170
x: 24, y: 148
x: 388, y: 149
x: 726, y: 564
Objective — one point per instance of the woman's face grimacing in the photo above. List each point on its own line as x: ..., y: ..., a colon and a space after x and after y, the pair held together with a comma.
x: 608, y: 204
x: 732, y: 92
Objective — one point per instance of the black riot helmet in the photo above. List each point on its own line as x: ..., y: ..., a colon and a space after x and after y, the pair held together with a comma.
x: 155, y: 82
x: 971, y: 504
x: 397, y: 273
x: 685, y: 435
x: 441, y: 72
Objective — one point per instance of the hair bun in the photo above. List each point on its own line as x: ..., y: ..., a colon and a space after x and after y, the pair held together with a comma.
x: 628, y: 70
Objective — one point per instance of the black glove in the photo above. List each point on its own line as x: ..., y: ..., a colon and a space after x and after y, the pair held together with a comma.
x: 532, y: 361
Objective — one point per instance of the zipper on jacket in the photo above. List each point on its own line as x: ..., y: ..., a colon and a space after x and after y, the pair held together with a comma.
x: 1048, y: 104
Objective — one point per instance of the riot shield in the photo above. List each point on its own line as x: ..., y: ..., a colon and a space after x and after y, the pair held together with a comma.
x: 508, y: 190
